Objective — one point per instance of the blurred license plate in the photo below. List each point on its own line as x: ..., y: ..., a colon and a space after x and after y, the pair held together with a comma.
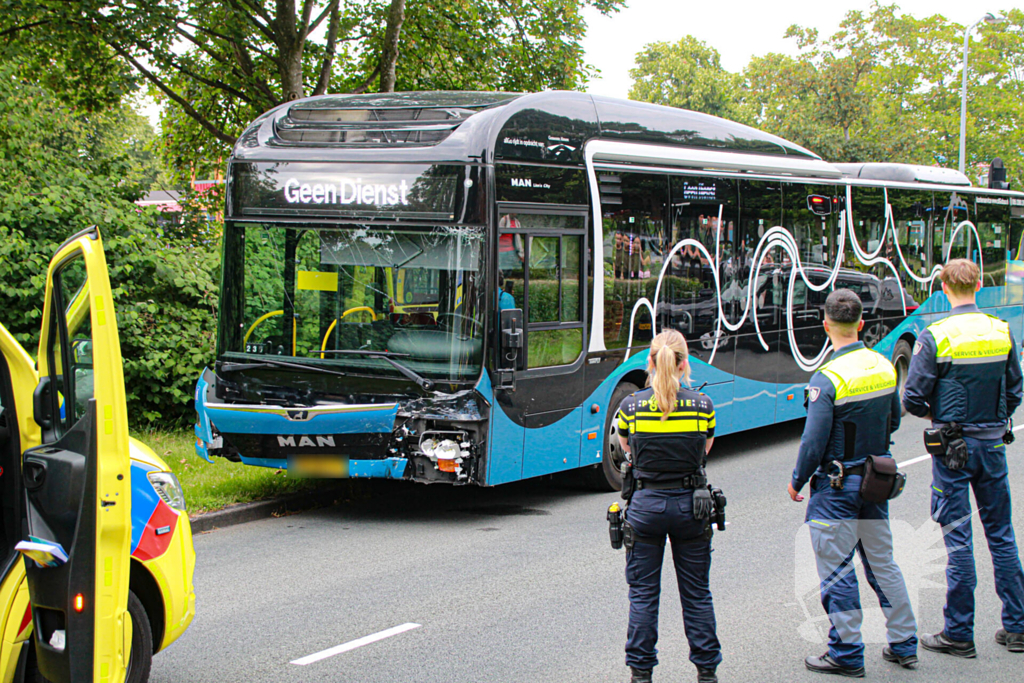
x: 326, y: 466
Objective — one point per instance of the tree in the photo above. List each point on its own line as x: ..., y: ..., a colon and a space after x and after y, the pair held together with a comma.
x: 224, y: 62
x: 687, y: 74
x: 63, y: 169
x: 884, y: 87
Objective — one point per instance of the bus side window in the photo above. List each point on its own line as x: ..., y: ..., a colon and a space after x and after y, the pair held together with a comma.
x: 511, y: 271
x: 1016, y: 242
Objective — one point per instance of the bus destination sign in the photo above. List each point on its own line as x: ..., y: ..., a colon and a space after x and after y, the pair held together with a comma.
x: 347, y: 191
x: 306, y: 189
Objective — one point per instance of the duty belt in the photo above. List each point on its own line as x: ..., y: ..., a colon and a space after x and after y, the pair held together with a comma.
x: 690, y: 481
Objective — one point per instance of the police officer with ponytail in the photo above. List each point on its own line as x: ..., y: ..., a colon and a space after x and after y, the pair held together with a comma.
x: 965, y: 375
x: 668, y: 430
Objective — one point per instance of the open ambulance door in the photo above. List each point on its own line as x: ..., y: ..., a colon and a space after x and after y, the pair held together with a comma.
x: 77, y: 482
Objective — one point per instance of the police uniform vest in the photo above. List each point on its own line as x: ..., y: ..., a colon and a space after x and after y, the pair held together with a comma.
x: 673, y: 446
x: 864, y: 383
x: 971, y: 352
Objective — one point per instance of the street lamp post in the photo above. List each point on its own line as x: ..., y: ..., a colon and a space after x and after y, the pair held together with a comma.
x: 989, y: 19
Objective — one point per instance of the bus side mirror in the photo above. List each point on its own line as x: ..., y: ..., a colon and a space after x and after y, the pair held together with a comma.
x: 512, y: 356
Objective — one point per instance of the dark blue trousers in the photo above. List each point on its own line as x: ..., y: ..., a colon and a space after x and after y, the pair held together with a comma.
x: 842, y: 523
x: 659, y: 514
x: 986, y: 474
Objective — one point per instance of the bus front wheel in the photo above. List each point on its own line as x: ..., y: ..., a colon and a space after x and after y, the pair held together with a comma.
x: 607, y: 476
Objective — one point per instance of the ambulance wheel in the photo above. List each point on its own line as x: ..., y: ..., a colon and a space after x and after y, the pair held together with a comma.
x: 142, y: 642
x: 901, y: 361
x: 138, y: 664
x: 607, y: 476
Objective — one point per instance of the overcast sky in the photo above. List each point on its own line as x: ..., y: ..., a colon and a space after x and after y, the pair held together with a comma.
x: 738, y: 29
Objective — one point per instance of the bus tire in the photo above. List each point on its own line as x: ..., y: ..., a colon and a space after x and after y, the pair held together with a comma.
x: 606, y: 476
x: 901, y: 361
x: 141, y: 658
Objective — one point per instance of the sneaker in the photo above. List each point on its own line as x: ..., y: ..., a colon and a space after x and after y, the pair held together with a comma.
x: 1014, y: 642
x: 941, y: 643
x: 826, y: 665
x: 908, y: 662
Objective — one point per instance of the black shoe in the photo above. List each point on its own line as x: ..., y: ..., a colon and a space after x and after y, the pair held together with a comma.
x: 640, y: 675
x: 908, y: 662
x: 826, y: 665
x: 1014, y: 642
x: 706, y: 676
x: 941, y: 643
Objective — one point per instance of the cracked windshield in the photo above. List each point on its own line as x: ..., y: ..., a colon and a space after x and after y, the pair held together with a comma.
x: 334, y: 296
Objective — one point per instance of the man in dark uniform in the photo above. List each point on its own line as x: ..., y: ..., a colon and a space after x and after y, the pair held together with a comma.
x: 852, y: 408
x: 966, y: 370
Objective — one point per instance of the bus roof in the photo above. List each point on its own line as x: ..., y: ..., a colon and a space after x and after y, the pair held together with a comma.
x: 549, y: 127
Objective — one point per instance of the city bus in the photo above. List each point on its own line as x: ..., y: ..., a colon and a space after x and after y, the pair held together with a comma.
x: 461, y: 287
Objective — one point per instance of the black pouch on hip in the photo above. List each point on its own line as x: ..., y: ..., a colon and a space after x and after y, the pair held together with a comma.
x: 703, y: 503
x: 956, y: 447
x: 935, y: 441
x: 882, y: 480
x: 628, y: 481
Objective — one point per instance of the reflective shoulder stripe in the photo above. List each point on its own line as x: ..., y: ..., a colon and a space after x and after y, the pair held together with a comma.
x: 684, y: 426
x: 970, y: 339
x: 860, y: 376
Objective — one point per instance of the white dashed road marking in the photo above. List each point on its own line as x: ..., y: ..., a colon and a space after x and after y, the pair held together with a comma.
x: 353, y: 644
x: 913, y: 461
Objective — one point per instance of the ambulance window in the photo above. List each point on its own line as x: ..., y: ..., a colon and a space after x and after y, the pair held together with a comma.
x: 71, y: 343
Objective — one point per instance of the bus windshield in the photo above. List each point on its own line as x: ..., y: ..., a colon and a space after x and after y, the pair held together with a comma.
x: 334, y: 295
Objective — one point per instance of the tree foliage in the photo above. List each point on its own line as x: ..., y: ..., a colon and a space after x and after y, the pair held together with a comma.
x: 884, y: 87
x: 221, y: 63
x: 687, y: 74
x: 63, y: 169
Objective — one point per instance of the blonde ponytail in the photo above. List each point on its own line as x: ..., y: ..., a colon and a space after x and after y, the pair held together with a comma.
x: 668, y: 350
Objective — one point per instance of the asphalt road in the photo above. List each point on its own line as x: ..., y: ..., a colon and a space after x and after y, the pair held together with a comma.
x: 518, y: 583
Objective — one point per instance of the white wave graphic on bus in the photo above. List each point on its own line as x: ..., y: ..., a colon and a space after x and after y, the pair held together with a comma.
x: 779, y: 236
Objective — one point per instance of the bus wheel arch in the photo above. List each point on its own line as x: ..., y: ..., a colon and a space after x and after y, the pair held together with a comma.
x: 606, y: 476
x: 901, y: 356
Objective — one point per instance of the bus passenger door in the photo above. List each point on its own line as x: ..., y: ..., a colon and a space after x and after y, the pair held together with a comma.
x: 77, y: 483
x: 540, y: 274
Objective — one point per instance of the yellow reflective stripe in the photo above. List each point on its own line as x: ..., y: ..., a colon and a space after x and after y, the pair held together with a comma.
x: 622, y: 424
x: 678, y: 413
x: 970, y: 335
x: 860, y: 375
x: 711, y: 423
x: 670, y: 426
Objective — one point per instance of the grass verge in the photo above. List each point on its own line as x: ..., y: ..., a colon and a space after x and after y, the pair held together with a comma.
x: 210, y: 487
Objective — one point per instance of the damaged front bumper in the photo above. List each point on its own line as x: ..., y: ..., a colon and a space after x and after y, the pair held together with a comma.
x: 439, y: 438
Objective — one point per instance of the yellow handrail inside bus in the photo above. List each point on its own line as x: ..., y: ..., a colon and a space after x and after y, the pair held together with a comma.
x: 263, y: 317
x: 330, y: 328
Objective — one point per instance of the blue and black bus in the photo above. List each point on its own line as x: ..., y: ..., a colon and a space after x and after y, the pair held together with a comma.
x: 461, y: 287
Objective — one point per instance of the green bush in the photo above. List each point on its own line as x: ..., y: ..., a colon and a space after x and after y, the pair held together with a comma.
x: 62, y: 171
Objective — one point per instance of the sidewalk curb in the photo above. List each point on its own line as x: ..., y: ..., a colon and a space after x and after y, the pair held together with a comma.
x: 240, y: 513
